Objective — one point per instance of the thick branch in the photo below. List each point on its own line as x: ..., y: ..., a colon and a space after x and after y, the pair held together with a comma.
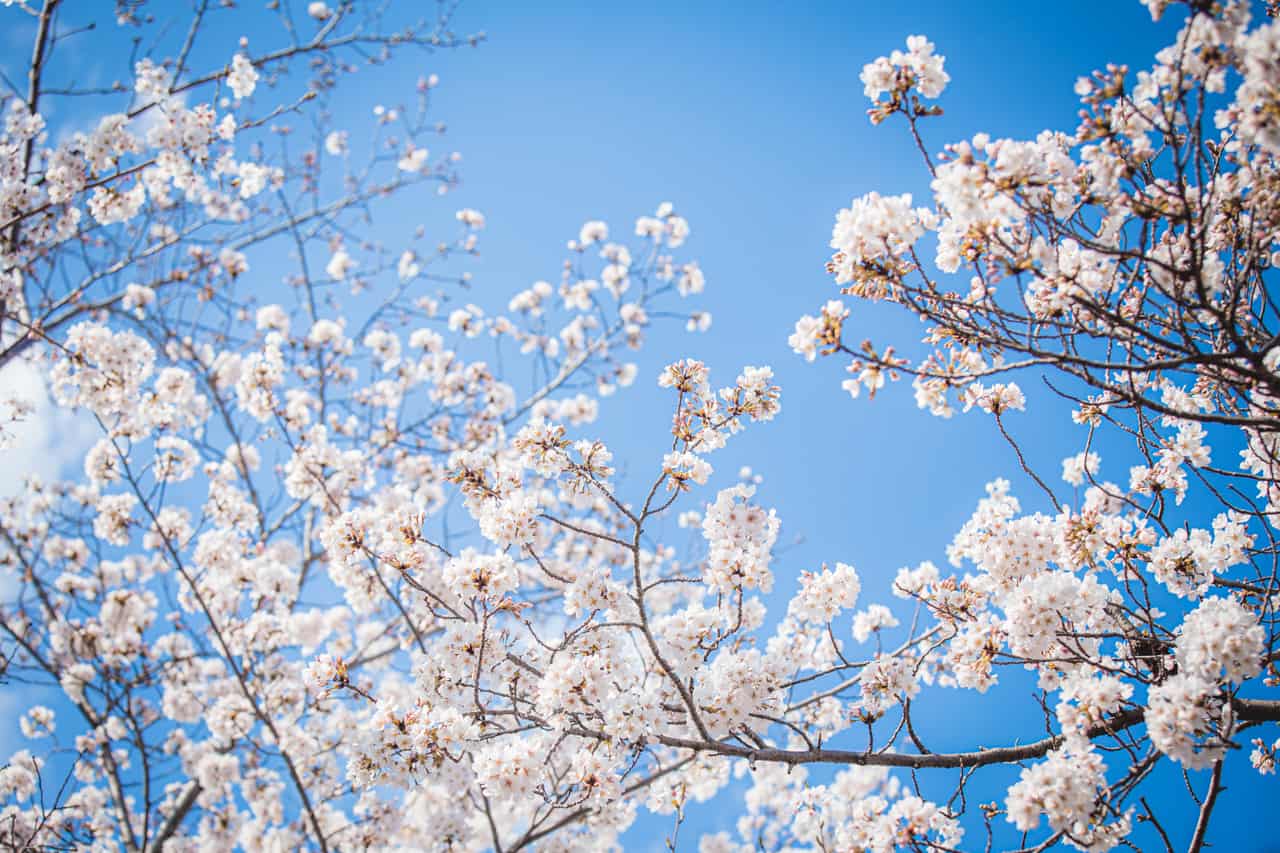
x: 1256, y: 710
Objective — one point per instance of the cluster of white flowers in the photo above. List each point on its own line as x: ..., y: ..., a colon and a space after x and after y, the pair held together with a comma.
x: 872, y: 620
x: 1184, y: 719
x: 821, y: 331
x: 243, y: 77
x: 1258, y: 98
x: 873, y: 233
x: 475, y: 575
x: 683, y: 468
x: 995, y: 399
x: 918, y: 68
x: 740, y: 538
x: 862, y: 808
x: 1186, y: 563
x: 825, y: 594
x: 1076, y: 468
x: 1220, y: 639
x: 664, y: 226
x: 1069, y: 788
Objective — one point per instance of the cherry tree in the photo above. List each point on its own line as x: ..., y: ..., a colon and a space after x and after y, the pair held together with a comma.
x: 347, y: 566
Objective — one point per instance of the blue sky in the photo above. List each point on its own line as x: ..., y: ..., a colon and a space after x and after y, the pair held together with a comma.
x: 750, y: 118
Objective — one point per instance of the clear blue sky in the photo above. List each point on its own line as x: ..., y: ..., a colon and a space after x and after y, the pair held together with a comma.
x: 749, y: 116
